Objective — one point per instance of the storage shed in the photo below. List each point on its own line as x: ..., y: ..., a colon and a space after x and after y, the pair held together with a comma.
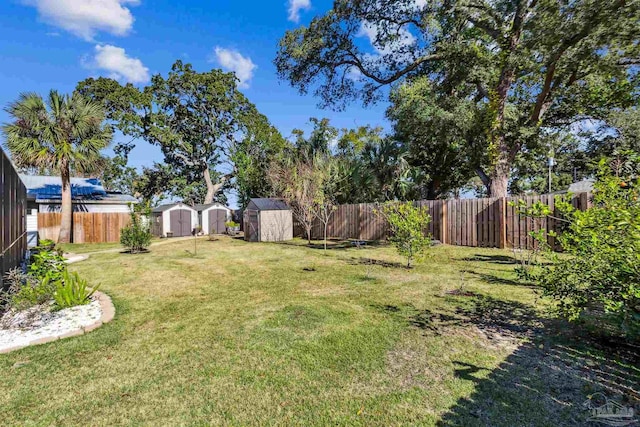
x: 268, y: 220
x: 212, y: 217
x: 175, y: 218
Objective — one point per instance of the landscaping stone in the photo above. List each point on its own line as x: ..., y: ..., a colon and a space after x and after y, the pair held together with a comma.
x: 39, y: 325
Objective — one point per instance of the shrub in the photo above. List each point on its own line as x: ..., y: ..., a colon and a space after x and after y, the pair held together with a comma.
x: 600, y: 268
x: 231, y: 224
x: 71, y: 291
x: 26, y: 291
x: 136, y: 236
x: 529, y: 260
x: 47, y: 262
x: 407, y: 224
x: 46, y: 244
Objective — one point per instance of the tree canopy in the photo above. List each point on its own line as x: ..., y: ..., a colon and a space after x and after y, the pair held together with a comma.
x: 200, y: 121
x: 65, y: 133
x: 527, y: 65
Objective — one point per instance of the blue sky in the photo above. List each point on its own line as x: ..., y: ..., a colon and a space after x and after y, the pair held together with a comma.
x: 53, y: 44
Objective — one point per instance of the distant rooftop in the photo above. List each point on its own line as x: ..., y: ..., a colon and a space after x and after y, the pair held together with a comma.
x: 584, y: 186
x: 40, y: 188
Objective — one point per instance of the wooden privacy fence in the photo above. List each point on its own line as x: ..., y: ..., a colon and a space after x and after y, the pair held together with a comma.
x: 96, y: 227
x: 13, y: 205
x: 489, y: 222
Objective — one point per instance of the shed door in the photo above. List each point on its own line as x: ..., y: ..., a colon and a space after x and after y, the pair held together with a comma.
x: 254, y: 220
x: 181, y: 222
x: 217, y: 218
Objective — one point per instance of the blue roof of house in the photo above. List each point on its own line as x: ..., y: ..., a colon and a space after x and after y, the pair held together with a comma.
x: 87, y: 189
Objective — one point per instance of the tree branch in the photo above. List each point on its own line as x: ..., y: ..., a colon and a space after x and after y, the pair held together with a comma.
x: 356, y: 62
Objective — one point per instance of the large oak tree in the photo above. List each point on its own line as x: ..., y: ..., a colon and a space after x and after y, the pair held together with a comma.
x: 200, y: 120
x: 526, y: 64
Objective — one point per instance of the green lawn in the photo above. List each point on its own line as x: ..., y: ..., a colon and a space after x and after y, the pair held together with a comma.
x: 283, y: 334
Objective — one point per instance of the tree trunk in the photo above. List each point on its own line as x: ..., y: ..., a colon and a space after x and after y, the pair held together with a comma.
x: 325, y: 234
x: 66, y: 205
x: 499, y: 186
x: 212, y: 189
x: 502, y: 168
x: 308, y: 227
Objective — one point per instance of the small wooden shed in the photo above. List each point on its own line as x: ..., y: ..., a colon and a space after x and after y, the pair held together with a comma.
x: 268, y: 220
x: 177, y: 219
x: 213, y: 217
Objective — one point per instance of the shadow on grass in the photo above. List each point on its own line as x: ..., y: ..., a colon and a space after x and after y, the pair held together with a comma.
x: 337, y: 244
x: 546, y: 384
x: 379, y: 262
x: 494, y: 259
x: 548, y: 379
x: 490, y: 315
x: 498, y: 280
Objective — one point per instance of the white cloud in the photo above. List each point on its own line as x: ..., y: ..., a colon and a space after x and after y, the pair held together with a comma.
x: 402, y: 38
x: 418, y: 4
x: 354, y: 74
x: 85, y: 18
x: 295, y: 6
x: 120, y: 66
x: 232, y: 60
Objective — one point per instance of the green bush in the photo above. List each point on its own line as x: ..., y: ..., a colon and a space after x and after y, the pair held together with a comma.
x: 407, y: 225
x: 71, y: 291
x: 136, y: 237
x: 25, y: 291
x: 46, y: 244
x: 599, y: 271
x: 47, y: 262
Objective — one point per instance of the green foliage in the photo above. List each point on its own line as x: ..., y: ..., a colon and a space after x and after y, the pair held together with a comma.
x: 46, y: 244
x: 440, y: 135
x: 136, y: 236
x: 373, y: 168
x: 199, y: 120
x: 117, y: 174
x: 231, y: 224
x: 47, y: 263
x: 65, y: 134
x: 407, y: 224
x: 37, y: 286
x: 70, y: 291
x: 529, y: 260
x: 600, y: 267
x: 47, y: 280
x: 26, y: 291
x: 572, y: 163
x: 513, y: 69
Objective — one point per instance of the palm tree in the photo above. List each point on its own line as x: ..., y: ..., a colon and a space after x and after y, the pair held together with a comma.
x: 64, y: 134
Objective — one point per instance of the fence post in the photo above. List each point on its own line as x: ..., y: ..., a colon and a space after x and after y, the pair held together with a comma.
x: 502, y: 219
x: 443, y: 223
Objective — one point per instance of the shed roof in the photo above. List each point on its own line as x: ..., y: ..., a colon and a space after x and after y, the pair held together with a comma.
x: 265, y: 204
x: 168, y: 206
x: 202, y: 207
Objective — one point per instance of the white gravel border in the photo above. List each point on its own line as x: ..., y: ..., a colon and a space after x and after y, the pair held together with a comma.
x: 66, y: 326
